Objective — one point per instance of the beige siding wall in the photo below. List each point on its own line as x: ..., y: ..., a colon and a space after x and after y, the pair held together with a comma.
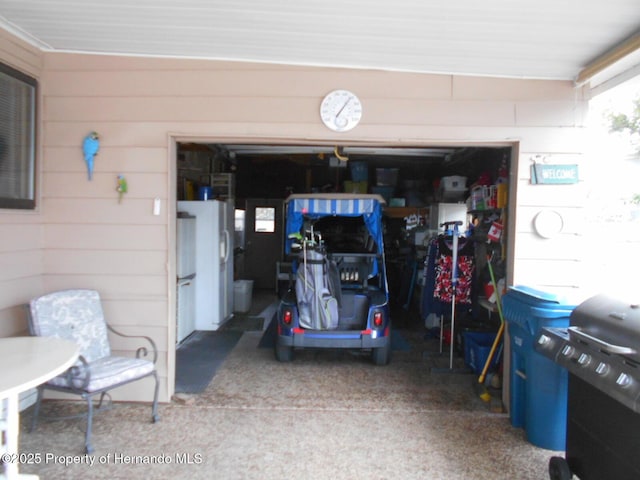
x: 92, y: 240
x: 139, y: 105
x: 21, y: 233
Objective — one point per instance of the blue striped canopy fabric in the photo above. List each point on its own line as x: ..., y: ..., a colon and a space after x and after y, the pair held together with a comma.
x: 321, y: 207
x: 316, y: 206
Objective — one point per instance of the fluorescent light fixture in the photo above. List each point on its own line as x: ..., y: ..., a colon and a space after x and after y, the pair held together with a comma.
x: 328, y: 149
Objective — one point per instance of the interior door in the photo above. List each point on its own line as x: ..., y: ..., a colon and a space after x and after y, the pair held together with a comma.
x: 264, y: 241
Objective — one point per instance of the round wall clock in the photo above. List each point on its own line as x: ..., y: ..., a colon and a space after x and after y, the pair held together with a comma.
x: 341, y: 110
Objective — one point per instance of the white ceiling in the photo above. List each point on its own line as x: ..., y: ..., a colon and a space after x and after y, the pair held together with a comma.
x: 545, y: 39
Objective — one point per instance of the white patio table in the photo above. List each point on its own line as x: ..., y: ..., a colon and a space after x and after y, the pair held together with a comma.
x: 25, y: 363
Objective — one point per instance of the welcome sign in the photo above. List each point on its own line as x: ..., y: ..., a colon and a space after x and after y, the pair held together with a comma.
x: 542, y: 174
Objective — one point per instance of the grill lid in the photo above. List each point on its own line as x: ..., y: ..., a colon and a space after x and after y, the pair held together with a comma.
x: 609, y: 324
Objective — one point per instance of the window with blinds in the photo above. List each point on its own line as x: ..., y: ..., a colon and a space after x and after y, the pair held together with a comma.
x: 17, y: 139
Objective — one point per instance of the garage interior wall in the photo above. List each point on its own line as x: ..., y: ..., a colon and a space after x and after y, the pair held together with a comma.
x: 81, y: 236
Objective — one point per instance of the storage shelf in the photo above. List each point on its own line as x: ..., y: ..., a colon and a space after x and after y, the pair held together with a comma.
x: 486, y: 211
x: 223, y: 185
x: 486, y: 304
x: 401, y: 212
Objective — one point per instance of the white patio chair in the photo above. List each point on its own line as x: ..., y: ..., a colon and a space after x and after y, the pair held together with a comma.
x: 77, y: 315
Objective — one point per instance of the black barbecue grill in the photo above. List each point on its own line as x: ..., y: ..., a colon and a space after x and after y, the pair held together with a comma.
x: 601, y: 351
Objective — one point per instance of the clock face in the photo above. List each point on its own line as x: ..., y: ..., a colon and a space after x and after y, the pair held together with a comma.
x: 341, y: 110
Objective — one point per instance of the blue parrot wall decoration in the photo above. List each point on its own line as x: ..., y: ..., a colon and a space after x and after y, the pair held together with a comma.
x: 90, y: 147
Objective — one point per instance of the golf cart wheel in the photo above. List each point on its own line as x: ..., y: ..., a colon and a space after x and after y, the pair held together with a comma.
x: 284, y: 353
x: 559, y: 469
x: 382, y: 355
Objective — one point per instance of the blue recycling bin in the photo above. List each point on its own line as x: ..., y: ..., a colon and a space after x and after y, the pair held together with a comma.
x: 538, y: 386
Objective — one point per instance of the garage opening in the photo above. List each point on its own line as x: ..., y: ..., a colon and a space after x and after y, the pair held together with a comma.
x: 423, y: 188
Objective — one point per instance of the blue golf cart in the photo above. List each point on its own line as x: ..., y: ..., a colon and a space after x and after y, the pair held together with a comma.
x: 338, y: 297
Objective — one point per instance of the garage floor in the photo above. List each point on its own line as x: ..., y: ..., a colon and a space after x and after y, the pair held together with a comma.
x: 327, y: 415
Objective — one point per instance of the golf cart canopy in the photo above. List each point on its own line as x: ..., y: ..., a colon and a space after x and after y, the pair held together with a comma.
x: 316, y: 206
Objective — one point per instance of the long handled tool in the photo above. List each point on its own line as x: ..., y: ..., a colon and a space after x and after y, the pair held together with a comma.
x: 454, y: 284
x: 485, y: 394
x: 453, y: 227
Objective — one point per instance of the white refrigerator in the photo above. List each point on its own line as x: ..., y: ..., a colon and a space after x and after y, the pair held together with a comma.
x: 214, y: 261
x: 186, y: 276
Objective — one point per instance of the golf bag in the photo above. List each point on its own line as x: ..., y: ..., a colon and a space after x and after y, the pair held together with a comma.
x: 317, y: 291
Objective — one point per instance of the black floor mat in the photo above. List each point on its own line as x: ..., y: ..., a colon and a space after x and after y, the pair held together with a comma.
x: 243, y: 323
x: 198, y: 358
x: 268, y: 340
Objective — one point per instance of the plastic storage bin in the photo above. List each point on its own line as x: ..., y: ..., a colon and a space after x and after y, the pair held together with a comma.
x: 205, y: 193
x: 242, y: 292
x: 477, y: 346
x: 385, y: 191
x: 538, y: 391
x: 386, y: 177
x: 355, y: 187
x: 452, y: 188
x: 359, y: 171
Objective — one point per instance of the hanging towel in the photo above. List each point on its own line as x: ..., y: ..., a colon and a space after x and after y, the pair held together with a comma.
x: 444, y: 284
x: 430, y: 304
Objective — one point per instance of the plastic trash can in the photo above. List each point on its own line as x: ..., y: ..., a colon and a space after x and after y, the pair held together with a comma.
x: 242, y: 292
x: 538, y: 386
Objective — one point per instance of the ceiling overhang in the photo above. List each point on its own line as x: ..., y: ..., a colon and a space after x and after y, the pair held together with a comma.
x: 546, y: 39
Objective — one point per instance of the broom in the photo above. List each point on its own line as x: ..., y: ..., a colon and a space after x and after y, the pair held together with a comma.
x: 485, y: 395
